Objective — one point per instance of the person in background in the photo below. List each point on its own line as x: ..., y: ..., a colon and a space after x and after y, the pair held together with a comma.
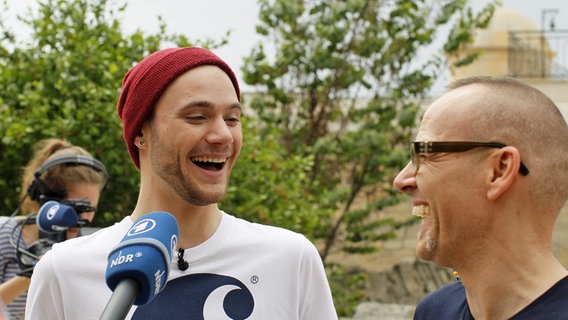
x: 181, y: 111
x: 4, y: 315
x: 489, y: 176
x: 56, y: 172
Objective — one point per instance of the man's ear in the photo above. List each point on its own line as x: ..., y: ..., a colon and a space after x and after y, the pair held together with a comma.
x: 505, y: 169
x: 139, y: 140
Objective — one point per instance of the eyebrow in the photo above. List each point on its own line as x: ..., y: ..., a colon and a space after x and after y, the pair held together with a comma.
x: 206, y: 104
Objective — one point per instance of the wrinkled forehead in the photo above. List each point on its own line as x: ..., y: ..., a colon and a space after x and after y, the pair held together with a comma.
x: 450, y: 116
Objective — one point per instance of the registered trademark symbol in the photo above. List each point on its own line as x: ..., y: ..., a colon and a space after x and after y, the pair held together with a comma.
x: 138, y: 254
x: 254, y: 279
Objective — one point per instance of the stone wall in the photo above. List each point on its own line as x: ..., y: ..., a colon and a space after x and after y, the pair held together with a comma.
x: 382, y: 311
x: 393, y: 293
x: 406, y: 283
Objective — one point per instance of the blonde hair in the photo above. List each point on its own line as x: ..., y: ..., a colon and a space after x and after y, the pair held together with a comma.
x: 58, y: 177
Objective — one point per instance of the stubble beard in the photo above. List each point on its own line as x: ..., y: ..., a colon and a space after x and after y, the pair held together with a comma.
x: 430, y: 242
x: 187, y: 190
x: 168, y: 168
x: 427, y: 242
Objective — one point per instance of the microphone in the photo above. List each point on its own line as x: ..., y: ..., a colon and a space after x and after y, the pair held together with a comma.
x: 138, y: 267
x: 55, y: 217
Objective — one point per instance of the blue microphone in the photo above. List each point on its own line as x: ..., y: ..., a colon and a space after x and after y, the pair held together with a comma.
x: 138, y: 267
x: 55, y: 217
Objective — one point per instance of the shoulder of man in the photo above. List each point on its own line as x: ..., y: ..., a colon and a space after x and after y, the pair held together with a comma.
x: 553, y: 304
x: 448, y: 302
x: 275, y: 239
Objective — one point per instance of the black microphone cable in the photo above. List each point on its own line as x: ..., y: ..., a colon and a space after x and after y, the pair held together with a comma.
x: 182, y: 264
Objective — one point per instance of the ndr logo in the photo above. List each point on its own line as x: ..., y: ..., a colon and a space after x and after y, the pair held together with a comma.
x: 120, y: 259
x: 158, y: 280
x: 52, y: 211
x: 173, y: 244
x: 141, y: 226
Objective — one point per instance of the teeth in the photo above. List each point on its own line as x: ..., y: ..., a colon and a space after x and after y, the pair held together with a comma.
x: 207, y: 159
x: 421, y: 211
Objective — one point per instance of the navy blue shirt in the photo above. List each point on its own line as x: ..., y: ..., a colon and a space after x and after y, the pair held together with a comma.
x: 450, y: 303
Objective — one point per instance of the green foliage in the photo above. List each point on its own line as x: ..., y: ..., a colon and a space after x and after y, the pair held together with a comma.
x: 349, y: 287
x: 269, y: 186
x: 344, y: 81
x: 461, y: 35
x: 63, y: 81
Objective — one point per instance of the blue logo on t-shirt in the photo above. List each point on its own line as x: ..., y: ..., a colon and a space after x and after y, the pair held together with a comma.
x: 201, y: 296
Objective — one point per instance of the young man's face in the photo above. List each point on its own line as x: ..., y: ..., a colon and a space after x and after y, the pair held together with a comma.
x: 196, y: 135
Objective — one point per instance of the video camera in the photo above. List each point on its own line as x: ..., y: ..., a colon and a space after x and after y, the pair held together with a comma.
x: 52, y: 219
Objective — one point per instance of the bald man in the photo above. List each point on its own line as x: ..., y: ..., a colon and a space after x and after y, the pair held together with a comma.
x: 489, y: 177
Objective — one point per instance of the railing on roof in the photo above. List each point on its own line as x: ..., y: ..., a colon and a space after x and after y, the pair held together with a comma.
x: 538, y: 54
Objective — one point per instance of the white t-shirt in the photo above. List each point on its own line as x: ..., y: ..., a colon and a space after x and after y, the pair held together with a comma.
x: 244, y: 271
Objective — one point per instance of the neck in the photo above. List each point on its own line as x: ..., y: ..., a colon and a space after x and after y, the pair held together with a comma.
x: 197, y: 226
x: 196, y: 223
x: 499, y: 289
x: 30, y: 233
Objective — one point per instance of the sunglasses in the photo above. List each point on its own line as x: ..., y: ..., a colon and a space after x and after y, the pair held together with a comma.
x: 420, y: 147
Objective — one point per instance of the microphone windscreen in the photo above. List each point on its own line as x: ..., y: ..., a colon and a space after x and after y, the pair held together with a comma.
x: 54, y: 217
x: 144, y: 254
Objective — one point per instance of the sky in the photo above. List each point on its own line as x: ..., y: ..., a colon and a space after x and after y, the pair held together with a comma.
x: 199, y: 19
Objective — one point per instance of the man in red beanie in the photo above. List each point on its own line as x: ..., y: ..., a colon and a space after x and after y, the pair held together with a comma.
x: 181, y: 111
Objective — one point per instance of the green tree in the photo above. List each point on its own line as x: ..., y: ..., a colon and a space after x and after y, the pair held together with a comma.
x: 63, y: 81
x: 343, y: 81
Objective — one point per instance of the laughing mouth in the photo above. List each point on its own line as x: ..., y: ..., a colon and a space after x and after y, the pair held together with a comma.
x: 209, y: 163
x: 421, y: 211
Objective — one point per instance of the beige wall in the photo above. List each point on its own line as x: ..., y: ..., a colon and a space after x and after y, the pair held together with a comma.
x: 557, y: 90
x: 494, y: 46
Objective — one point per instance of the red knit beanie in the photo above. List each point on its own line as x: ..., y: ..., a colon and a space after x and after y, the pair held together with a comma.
x: 143, y: 85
